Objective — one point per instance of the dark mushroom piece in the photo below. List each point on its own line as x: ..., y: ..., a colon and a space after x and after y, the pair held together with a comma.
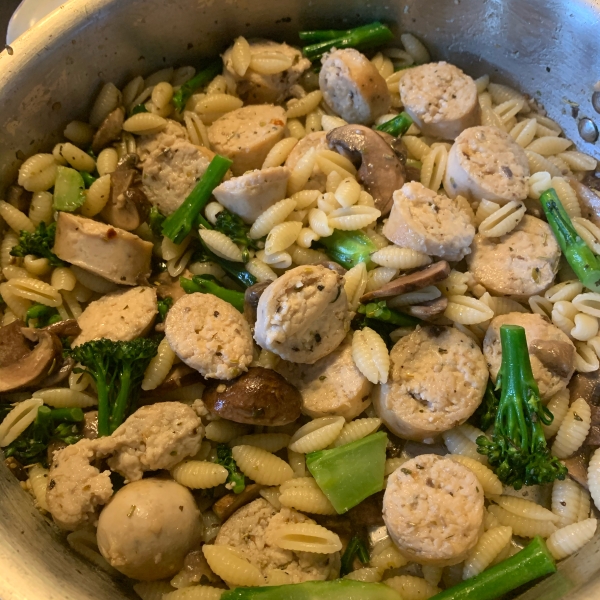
x: 379, y: 169
x: 251, y: 297
x: 427, y: 310
x: 179, y: 376
x: 66, y: 328
x: 13, y: 344
x: 410, y: 283
x: 59, y: 376
x: 90, y: 425
x: 258, y: 397
x: 333, y: 266
x: 16, y: 468
x: 224, y: 507
x: 588, y: 200
x: 587, y: 386
x: 396, y: 144
x: 109, y: 130
x: 557, y: 357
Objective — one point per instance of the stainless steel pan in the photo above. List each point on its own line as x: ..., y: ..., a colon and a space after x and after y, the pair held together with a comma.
x: 549, y: 48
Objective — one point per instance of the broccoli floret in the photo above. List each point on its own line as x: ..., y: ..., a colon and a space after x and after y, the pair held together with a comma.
x: 42, y: 314
x: 225, y: 459
x: 237, y: 231
x: 39, y: 243
x: 206, y: 284
x: 486, y: 413
x: 518, y: 449
x: 118, y: 369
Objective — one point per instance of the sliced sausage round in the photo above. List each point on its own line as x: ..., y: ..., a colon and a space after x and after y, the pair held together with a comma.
x: 485, y: 162
x: 437, y: 380
x: 428, y: 222
x: 441, y: 99
x: 303, y: 315
x: 209, y: 335
x: 433, y: 510
x: 520, y: 264
x: 551, y: 352
x: 353, y: 87
x: 147, y: 144
x: 247, y: 134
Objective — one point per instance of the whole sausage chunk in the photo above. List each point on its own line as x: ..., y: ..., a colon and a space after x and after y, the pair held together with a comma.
x: 318, y: 141
x: 252, y: 531
x: 209, y: 335
x: 149, y: 143
x: 112, y: 253
x: 303, y: 315
x: 433, y: 510
x: 332, y: 386
x: 251, y: 194
x: 247, y: 134
x: 119, y: 316
x: 551, y: 352
x: 520, y: 264
x: 428, y: 222
x: 353, y: 87
x: 258, y: 88
x: 437, y: 380
x: 485, y: 162
x: 441, y: 99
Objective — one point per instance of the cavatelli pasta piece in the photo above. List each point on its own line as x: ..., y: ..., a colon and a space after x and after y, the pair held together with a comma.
x: 107, y: 161
x: 400, y: 258
x: 586, y: 327
x: 36, y: 266
x: 274, y: 215
x: 303, y: 106
x: 521, y: 525
x: 261, y: 466
x: 489, y: 481
x: 271, y: 495
x: 40, y: 208
x: 107, y: 100
x: 282, y: 236
x: 489, y: 520
x: 539, y: 163
x: 347, y: 192
x: 356, y: 430
x: 501, y: 305
x: 80, y: 133
x: 524, y: 132
x: 96, y: 196
x: 162, y: 94
x: 17, y: 305
x: 241, y: 56
x: 379, y: 240
x: 485, y: 209
x: 571, y: 538
x: 412, y: 588
x: 231, y: 566
x: 353, y: 217
x: 302, y: 171
x: 38, y: 173
x: 65, y: 398
x: 307, y: 537
x: 18, y: 221
x: 578, y: 161
x: 456, y: 284
x: 415, y: 48
x: 271, y: 442
x: 63, y: 279
x: 316, y: 434
x: 391, y: 464
x: 195, y: 129
x: 416, y: 147
x: 366, y: 575
x: 363, y: 358
x: 279, y: 260
x: 467, y: 311
x: 279, y: 152
x: 17, y: 420
x: 387, y: 557
x: 221, y: 245
x: 564, y: 291
x: 355, y: 282
x: 377, y: 278
x: 585, y: 504
x: 77, y: 158
x: 35, y: 290
x: 558, y: 405
x: 38, y: 482
x: 145, y: 123
x: 593, y: 477
x: 194, y: 592
x: 306, y: 498
x: 589, y: 232
x: 503, y: 220
x: 565, y: 501
x: 306, y: 237
x: 488, y: 546
x: 224, y: 431
x: 159, y: 367
x: 79, y: 382
x: 525, y: 508
x: 297, y: 461
x: 434, y: 167
x: 319, y: 222
x: 199, y: 474
x: 549, y: 145
x: 459, y: 443
x: 329, y: 122
x: 588, y: 303
x: 330, y: 161
x: 573, y: 430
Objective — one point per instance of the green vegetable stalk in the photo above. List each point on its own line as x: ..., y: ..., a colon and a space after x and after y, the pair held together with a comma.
x: 518, y: 449
x: 205, y: 284
x: 202, y: 78
x: 348, y: 248
x: 397, y: 126
x: 379, y: 311
x: 486, y: 413
x: 366, y: 36
x: 582, y: 260
x: 179, y: 225
x: 233, y: 269
x: 88, y: 178
x: 39, y: 243
x: 225, y: 459
x: 155, y: 221
x: 118, y: 369
x: 69, y: 189
x: 137, y: 109
x: 42, y: 315
x: 530, y: 563
x: 164, y: 306
x: 355, y: 548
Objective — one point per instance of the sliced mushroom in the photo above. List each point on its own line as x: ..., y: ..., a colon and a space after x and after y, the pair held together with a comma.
x: 90, y: 425
x: 586, y: 386
x: 224, y: 507
x: 427, y: 310
x: 410, y: 283
x: 58, y: 376
x: 31, y: 368
x: 258, y: 397
x: 13, y: 344
x: 396, y: 144
x: 251, y: 297
x: 588, y: 199
x: 557, y: 357
x: 168, y: 286
x: 333, y: 266
x: 67, y: 328
x: 379, y: 168
x: 127, y: 207
x: 109, y: 130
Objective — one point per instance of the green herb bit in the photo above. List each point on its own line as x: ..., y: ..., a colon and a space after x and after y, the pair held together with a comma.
x: 348, y: 248
x: 379, y: 311
x: 356, y: 548
x: 137, y: 109
x: 164, y: 305
x: 225, y: 459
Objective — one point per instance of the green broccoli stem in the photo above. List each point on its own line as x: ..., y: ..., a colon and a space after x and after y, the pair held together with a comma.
x: 348, y: 248
x: 582, y: 260
x: 243, y: 277
x: 374, y: 34
x: 397, y: 126
x: 103, y: 404
x: 202, y: 78
x: 530, y: 563
x: 322, y: 35
x: 380, y: 312
x: 120, y: 406
x: 179, y: 225
x: 66, y: 415
x: 203, y: 285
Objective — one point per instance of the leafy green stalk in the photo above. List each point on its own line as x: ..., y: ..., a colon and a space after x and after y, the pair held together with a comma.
x: 155, y: 221
x: 348, y: 248
x: 178, y: 225
x: 202, y: 78
x: 530, y: 563
x: 518, y: 449
x: 117, y: 369
x: 225, y: 459
x: 164, y: 306
x: 322, y: 35
x: 356, y: 548
x: 397, y: 126
x: 42, y: 314
x: 39, y: 243
x: 365, y: 36
x: 582, y: 260
x: 205, y: 284
x: 61, y: 424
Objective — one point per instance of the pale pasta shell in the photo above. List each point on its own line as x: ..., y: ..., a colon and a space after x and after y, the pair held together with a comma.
x: 271, y: 442
x: 573, y: 430
x: 35, y: 290
x: 15, y: 219
x: 306, y: 497
x: 303, y: 106
x: 524, y: 132
x: 107, y: 100
x: 434, y: 167
x: 77, y: 158
x: 224, y: 431
x: 260, y: 270
x: 458, y: 443
x: 41, y: 208
x: 221, y: 245
x: 569, y: 539
x: 18, y: 420
x: 97, y: 196
x: 412, y: 588
x: 38, y: 480
x: 194, y: 592
x: 198, y: 474
x: 279, y: 152
x: 274, y: 215
x: 159, y: 367
x: 525, y: 508
x: 319, y: 222
x: 549, y: 145
x: 240, y: 56
x: 79, y: 133
x: 261, y: 466
x: 588, y: 303
x: 579, y: 161
x: 566, y: 498
x: 65, y: 398
x: 485, y: 551
x: 467, y: 311
x: 485, y: 209
x: 415, y: 48
x: 355, y: 282
x: 144, y: 124
x: 316, y: 434
x: 307, y: 537
x: 400, y: 258
x: 356, y: 430
x: 387, y: 557
x: 228, y: 564
x: 353, y: 217
x: 594, y: 477
x: 366, y: 575
x: 503, y: 220
x: 522, y: 526
x: 558, y: 405
x: 490, y: 483
x: 282, y: 236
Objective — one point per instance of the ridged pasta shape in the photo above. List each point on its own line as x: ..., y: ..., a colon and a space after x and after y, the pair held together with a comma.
x: 366, y: 575
x: 297, y: 462
x: 77, y: 158
x: 16, y: 304
x: 333, y: 161
x: 160, y: 365
x: 261, y: 466
x: 194, y: 592
x: 377, y: 278
x: 36, y: 291
x: 271, y: 495
x: 302, y: 171
x: 145, y: 123
x: 224, y: 431
x: 558, y: 405
x: 567, y: 196
x: 588, y: 303
x: 18, y: 221
x: 459, y: 443
x: 231, y: 566
x: 18, y: 420
x: 196, y: 130
x: 485, y: 209
x: 319, y: 222
x: 412, y: 588
x: 388, y: 557
x: 316, y: 434
x: 36, y: 266
x: 400, y: 258
x: 566, y: 498
x: 525, y: 508
x: 63, y: 279
x: 347, y: 192
x: 503, y: 220
x: 467, y: 311
x: 434, y: 167
x: 305, y: 495
x: 240, y: 56
x: 573, y: 430
x: 307, y: 537
x: 594, y: 478
x: 539, y: 163
x: 416, y: 147
x: 152, y: 590
x: 489, y: 520
x: 355, y: 282
x: 549, y: 145
x: 585, y: 505
x: 38, y: 481
x: 490, y: 483
x: 456, y: 284
x: 579, y: 161
x: 279, y: 152
x: 352, y: 218
x: 38, y: 173
x: 501, y: 305
x: 199, y: 474
x: 65, y: 398
x: 97, y: 196
x: 271, y: 442
x: 356, y: 430
x: 391, y: 464
x: 107, y: 100
x: 522, y: 526
x: 221, y: 245
x: 274, y: 215
x: 40, y: 208
x: 569, y: 539
x: 282, y: 236
x: 488, y: 546
x: 370, y: 344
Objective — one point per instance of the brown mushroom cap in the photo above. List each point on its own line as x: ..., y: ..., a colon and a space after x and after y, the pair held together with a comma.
x: 109, y: 130
x: 224, y: 507
x: 258, y: 397
x: 379, y: 168
x: 13, y: 344
x: 558, y: 357
x: 127, y: 207
x: 251, y: 297
x: 588, y: 199
x: 427, y: 310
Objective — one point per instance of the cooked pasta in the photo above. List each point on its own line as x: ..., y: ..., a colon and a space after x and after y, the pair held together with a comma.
x: 17, y: 420
x: 366, y: 574
x: 304, y: 494
x: 224, y: 431
x: 65, y: 398
x: 488, y: 546
x: 36, y: 267
x: 297, y: 461
x: 228, y: 564
x: 378, y: 277
x: 566, y: 498
x: 434, y: 167
x: 272, y: 217
x: 316, y: 435
x: 522, y: 526
x: 569, y: 539
x: 15, y: 219
x: 400, y: 258
x: 144, y: 123
x: 159, y: 366
x: 573, y: 429
x: 221, y: 245
x: 355, y: 282
x: 388, y: 557
x: 356, y: 430
x: 558, y: 405
x: 307, y: 537
x: 458, y: 443
x: 467, y: 311
x: 490, y: 483
x: 261, y: 466
x: 199, y: 474
x: 423, y: 295
x: 282, y: 236
x: 525, y: 508
x: 352, y: 218
x: 35, y: 290
x: 271, y: 442
x: 503, y: 220
x: 38, y: 482
x: 40, y: 209
x: 107, y: 100
x: 485, y: 209
x: 38, y: 173
x: 195, y: 592
x: 578, y: 161
x: 370, y: 355
x: 412, y: 588
x: 549, y: 145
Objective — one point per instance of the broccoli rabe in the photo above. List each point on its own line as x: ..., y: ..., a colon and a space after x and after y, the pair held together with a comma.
x: 117, y: 369
x: 206, y: 284
x: 42, y: 314
x: 155, y: 221
x: 356, y: 548
x: 225, y: 459
x: 39, y: 243
x: 348, y: 248
x: 382, y: 319
x: 164, y: 305
x: 397, y: 126
x: 486, y: 413
x: 517, y: 449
